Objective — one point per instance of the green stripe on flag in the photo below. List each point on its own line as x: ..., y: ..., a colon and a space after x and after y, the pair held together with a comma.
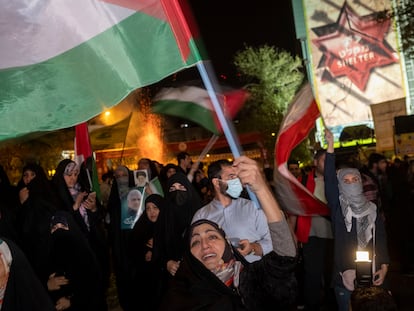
x: 187, y: 110
x: 80, y: 83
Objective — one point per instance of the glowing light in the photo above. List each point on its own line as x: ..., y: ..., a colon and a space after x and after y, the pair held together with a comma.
x: 362, y: 256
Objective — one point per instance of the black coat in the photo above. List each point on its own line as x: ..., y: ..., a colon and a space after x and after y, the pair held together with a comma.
x: 24, y: 291
x: 72, y: 256
x: 267, y: 284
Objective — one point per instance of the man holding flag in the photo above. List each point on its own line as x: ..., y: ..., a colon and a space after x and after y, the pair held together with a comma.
x: 309, y: 219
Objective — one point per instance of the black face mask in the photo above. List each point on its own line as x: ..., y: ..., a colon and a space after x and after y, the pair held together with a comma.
x: 179, y: 197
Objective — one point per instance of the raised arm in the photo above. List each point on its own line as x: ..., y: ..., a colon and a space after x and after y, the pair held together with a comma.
x: 251, y: 175
x: 331, y: 181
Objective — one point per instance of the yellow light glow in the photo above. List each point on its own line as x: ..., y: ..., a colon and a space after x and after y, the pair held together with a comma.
x: 362, y: 256
x: 107, y: 113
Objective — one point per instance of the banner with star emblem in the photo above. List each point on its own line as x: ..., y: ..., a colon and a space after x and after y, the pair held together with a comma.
x: 355, y: 61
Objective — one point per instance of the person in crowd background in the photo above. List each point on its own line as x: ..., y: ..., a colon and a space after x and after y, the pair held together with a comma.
x: 372, y: 298
x: 75, y: 278
x: 105, y: 188
x: 184, y: 162
x: 119, y: 238
x: 146, y: 255
x: 215, y: 276
x: 201, y: 184
x: 183, y: 201
x: 84, y: 207
x: 148, y: 165
x: 242, y: 221
x: 375, y: 182
x: 186, y: 165
x: 356, y: 227
x: 294, y: 168
x: 166, y: 172
x: 315, y: 239
x: 37, y: 202
x: 20, y: 288
x: 8, y: 211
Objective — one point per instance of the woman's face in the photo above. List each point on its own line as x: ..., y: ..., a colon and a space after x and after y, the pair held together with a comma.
x: 152, y: 211
x: 170, y: 172
x: 71, y: 179
x: 177, y: 186
x: 28, y: 176
x: 351, y: 179
x: 207, y: 245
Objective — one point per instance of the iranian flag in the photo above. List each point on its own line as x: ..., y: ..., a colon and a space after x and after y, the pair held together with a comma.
x: 193, y: 103
x: 300, y: 118
x: 63, y: 62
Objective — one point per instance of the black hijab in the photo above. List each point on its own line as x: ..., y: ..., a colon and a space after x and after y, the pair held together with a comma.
x: 24, y: 292
x: 144, y: 229
x: 267, y: 284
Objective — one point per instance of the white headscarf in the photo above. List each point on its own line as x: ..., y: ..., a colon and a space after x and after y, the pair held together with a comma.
x: 6, y: 258
x: 354, y: 204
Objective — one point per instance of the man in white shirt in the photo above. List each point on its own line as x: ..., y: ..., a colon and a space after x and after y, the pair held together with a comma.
x: 244, y: 223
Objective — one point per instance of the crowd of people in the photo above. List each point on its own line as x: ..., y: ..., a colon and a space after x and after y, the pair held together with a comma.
x: 202, y: 242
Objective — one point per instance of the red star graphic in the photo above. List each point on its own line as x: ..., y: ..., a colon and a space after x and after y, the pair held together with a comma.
x: 353, y: 46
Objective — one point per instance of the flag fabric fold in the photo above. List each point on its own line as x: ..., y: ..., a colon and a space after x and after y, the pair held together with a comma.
x: 300, y: 118
x: 194, y: 104
x: 64, y: 62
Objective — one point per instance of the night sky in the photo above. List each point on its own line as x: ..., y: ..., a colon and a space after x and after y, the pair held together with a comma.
x: 226, y: 25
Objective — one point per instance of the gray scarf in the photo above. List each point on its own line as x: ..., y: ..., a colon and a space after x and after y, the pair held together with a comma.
x: 354, y: 204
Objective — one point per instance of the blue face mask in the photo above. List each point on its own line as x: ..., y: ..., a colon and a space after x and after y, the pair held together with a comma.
x: 234, y: 187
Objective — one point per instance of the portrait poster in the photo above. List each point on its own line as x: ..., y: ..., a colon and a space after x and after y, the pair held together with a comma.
x: 354, y: 58
x: 132, y: 206
x: 140, y: 178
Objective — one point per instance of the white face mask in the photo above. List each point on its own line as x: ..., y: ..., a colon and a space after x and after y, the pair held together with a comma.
x: 234, y: 187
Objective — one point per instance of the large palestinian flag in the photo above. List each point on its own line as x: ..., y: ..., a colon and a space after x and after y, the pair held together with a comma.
x: 63, y: 62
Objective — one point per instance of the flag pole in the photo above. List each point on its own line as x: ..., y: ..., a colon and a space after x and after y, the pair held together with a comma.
x: 179, y: 22
x: 207, y: 148
x: 212, y: 87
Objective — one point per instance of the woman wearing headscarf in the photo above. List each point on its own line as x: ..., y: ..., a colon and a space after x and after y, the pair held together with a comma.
x: 75, y: 280
x: 146, y: 251
x: 37, y: 203
x: 8, y: 195
x: 85, y: 209
x: 214, y: 276
x: 119, y: 239
x: 20, y: 288
x: 356, y: 226
x: 183, y: 201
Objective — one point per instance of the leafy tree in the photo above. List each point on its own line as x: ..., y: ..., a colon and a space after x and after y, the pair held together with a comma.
x: 272, y: 77
x: 404, y: 12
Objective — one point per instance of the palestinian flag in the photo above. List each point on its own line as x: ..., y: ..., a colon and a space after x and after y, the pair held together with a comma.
x: 194, y: 104
x: 84, y: 156
x: 63, y: 62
